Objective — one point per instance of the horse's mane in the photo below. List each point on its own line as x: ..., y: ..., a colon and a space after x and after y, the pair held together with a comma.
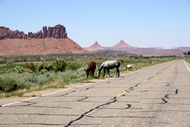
x: 101, y: 66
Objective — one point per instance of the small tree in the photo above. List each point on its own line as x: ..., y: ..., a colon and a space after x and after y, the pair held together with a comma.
x: 188, y: 52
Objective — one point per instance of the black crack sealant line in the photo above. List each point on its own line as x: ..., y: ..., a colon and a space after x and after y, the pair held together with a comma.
x: 128, y: 106
x: 87, y: 88
x: 84, y: 98
x: 108, y: 103
x: 91, y: 110
x: 68, y: 93
x: 28, y: 103
x: 164, y: 99
x: 113, y: 100
x: 76, y: 91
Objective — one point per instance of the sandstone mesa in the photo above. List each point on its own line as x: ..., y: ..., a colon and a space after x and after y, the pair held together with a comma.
x: 51, y: 40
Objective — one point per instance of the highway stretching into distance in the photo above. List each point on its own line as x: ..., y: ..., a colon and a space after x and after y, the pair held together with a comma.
x: 156, y: 96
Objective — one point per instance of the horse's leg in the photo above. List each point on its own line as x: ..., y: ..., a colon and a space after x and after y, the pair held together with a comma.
x: 93, y: 73
x: 104, y: 72
x: 117, y: 72
x: 108, y: 72
x: 98, y: 73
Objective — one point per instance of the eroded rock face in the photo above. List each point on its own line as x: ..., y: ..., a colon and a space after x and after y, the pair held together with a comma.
x: 57, y: 31
x: 49, y: 40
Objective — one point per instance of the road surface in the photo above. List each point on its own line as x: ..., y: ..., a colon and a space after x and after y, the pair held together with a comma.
x: 157, y: 96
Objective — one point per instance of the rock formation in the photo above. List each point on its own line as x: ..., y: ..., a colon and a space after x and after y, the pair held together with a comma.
x: 51, y: 40
x: 95, y: 47
x: 122, y: 44
x: 57, y: 31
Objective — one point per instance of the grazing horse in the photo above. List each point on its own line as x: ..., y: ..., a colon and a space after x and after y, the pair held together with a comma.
x: 90, y: 69
x: 106, y: 65
x: 129, y: 67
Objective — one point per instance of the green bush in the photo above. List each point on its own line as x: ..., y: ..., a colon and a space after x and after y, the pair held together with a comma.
x: 42, y: 79
x: 15, y: 81
x: 2, y: 61
x: 45, y: 65
x: 8, y: 84
x: 19, y: 69
x: 59, y: 65
x: 73, y: 66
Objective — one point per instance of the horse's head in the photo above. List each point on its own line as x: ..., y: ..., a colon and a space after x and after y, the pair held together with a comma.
x: 98, y: 73
x: 87, y: 72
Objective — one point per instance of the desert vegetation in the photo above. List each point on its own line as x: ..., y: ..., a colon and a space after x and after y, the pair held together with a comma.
x: 187, y: 59
x: 19, y: 75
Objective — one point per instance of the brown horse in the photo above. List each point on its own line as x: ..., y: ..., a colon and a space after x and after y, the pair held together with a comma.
x: 90, y: 69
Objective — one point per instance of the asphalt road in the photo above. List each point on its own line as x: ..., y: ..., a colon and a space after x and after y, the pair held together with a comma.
x: 157, y: 96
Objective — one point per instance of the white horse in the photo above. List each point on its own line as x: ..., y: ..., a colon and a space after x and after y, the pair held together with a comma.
x: 106, y: 65
x: 129, y: 67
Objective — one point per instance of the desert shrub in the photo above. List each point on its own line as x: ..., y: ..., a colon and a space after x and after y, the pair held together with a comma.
x: 42, y: 79
x: 19, y: 69
x: 15, y: 81
x: 30, y: 66
x: 2, y: 61
x: 59, y: 65
x: 43, y: 71
x: 8, y: 67
x: 73, y: 66
x: 71, y: 76
x: 187, y: 59
x: 8, y: 84
x: 45, y: 65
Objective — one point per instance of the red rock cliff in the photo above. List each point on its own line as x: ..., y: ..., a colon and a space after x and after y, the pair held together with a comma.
x: 57, y: 31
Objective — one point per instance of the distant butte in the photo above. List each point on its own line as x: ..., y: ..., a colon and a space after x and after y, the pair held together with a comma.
x: 122, y: 44
x: 95, y: 47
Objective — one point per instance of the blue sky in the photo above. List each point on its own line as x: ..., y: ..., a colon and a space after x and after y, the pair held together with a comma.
x: 140, y: 23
